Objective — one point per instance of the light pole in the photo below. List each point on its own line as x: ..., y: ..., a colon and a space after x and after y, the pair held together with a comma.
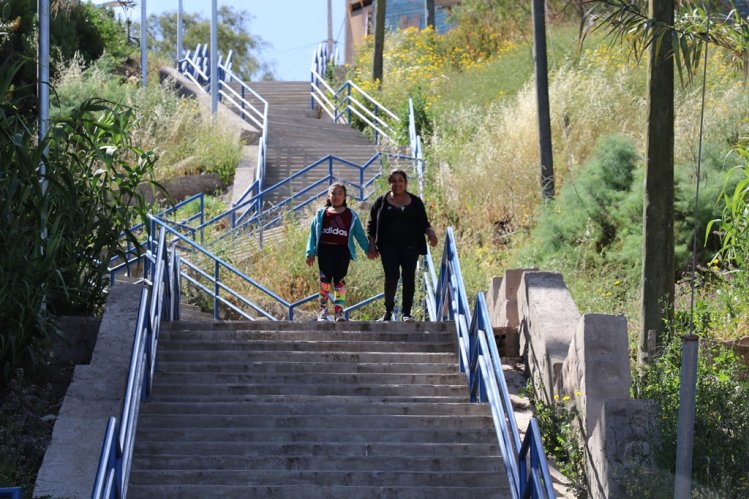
x: 143, y: 43
x: 214, y: 57
x: 179, y: 31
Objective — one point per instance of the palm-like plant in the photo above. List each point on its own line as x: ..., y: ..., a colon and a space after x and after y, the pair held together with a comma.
x: 693, y: 26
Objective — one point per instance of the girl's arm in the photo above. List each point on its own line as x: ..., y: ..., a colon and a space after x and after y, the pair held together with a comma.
x: 312, y: 239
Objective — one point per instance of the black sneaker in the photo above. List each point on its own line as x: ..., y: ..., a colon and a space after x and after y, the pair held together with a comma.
x: 387, y: 317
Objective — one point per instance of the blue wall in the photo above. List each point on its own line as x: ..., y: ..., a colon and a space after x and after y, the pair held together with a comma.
x: 403, y: 13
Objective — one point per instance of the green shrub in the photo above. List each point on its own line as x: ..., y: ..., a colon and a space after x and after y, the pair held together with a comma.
x: 597, y: 217
x: 93, y: 157
x: 56, y: 237
x: 583, y: 220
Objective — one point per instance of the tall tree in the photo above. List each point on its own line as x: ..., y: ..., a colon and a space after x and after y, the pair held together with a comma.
x: 379, y: 40
x: 658, y: 271
x: 75, y: 28
x: 233, y: 34
x: 671, y: 42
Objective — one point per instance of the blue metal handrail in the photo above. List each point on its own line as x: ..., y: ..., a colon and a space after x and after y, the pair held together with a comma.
x: 479, y: 360
x: 195, y: 68
x: 348, y: 99
x: 135, y: 253
x: 10, y: 492
x: 157, y: 303
x: 250, y: 211
x: 217, y: 284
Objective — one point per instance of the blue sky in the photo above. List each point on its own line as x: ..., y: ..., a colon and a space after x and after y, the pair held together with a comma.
x: 292, y: 28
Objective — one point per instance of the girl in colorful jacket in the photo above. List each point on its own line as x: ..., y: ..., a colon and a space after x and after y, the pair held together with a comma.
x: 331, y: 239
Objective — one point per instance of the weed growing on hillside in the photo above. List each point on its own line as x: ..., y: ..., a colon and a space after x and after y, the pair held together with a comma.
x: 186, y: 140
x: 559, y: 424
x: 721, y: 433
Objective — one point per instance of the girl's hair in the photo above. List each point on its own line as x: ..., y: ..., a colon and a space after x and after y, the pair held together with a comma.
x: 330, y: 191
x: 397, y: 172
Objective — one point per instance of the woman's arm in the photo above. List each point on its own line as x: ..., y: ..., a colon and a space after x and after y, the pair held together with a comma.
x: 360, y: 235
x: 372, y: 223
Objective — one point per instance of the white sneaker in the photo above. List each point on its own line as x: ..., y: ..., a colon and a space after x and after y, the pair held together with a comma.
x: 339, y: 317
x: 407, y: 318
x: 322, y: 315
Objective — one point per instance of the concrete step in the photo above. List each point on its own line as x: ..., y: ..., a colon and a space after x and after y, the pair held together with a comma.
x: 320, y: 345
x: 308, y: 463
x: 306, y: 398
x: 311, y: 327
x: 361, y: 390
x: 310, y: 378
x: 318, y: 449
x: 319, y: 422
x: 297, y: 356
x: 310, y: 435
x: 419, y: 337
x: 264, y: 367
x: 308, y: 491
x: 482, y: 478
x: 315, y: 408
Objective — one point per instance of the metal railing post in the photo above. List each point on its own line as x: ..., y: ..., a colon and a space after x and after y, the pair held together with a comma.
x: 685, y: 435
x: 376, y: 133
x: 216, y: 270
x: 348, y: 102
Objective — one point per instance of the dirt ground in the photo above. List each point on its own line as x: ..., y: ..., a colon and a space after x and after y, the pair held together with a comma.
x: 28, y: 408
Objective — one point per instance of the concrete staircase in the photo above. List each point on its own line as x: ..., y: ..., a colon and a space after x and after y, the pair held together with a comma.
x: 313, y: 410
x: 298, y: 136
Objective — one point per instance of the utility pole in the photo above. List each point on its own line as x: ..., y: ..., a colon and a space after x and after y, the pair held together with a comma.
x: 379, y: 40
x: 542, y: 99
x: 330, y: 29
x: 180, y: 51
x: 214, y: 58
x: 658, y: 264
x: 143, y: 44
x: 430, y: 13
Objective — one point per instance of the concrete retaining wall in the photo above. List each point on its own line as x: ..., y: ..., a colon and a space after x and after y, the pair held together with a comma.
x: 95, y: 393
x: 583, y: 357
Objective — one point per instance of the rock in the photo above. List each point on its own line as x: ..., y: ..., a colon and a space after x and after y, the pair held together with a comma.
x: 180, y: 188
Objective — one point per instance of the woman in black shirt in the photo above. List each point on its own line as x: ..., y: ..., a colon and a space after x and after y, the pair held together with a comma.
x: 396, y: 230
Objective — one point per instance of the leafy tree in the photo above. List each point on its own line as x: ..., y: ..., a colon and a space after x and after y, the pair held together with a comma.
x: 233, y: 34
x: 671, y: 40
x: 75, y: 27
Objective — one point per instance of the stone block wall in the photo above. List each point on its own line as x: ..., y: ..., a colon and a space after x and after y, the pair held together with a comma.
x: 585, y: 357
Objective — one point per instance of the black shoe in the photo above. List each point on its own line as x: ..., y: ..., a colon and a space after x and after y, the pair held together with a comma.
x: 387, y: 317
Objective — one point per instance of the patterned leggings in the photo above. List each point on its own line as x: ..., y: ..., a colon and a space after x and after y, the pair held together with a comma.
x: 333, y: 261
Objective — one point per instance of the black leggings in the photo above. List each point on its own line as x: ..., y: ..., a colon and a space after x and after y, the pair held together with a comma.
x: 333, y: 260
x: 399, y: 261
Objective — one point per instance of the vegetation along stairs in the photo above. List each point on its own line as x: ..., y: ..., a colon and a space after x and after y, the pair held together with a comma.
x: 299, y: 136
x: 314, y: 410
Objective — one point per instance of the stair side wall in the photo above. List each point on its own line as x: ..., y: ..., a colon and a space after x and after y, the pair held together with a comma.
x: 95, y: 393
x: 581, y: 360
